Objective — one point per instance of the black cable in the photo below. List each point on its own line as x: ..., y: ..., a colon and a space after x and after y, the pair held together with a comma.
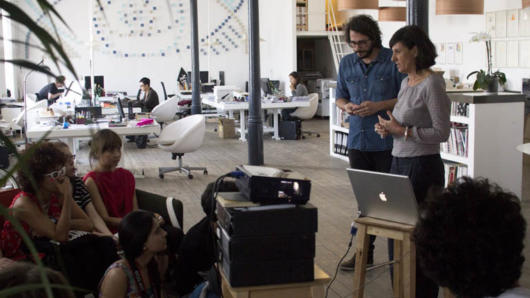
x: 338, y: 265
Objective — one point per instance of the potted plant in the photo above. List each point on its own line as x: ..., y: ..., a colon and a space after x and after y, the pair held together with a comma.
x: 487, y: 80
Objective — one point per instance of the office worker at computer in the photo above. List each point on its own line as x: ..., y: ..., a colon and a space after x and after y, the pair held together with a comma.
x: 418, y: 123
x: 150, y: 98
x: 297, y: 89
x: 367, y: 85
x: 51, y: 91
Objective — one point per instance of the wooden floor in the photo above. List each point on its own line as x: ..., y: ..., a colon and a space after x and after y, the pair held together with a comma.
x: 331, y: 193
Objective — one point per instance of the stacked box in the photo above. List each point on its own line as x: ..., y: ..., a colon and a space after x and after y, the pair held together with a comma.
x: 263, y: 245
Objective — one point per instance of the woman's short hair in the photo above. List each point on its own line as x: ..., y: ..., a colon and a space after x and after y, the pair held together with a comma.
x: 22, y: 273
x: 102, y: 141
x: 42, y: 158
x: 413, y: 36
x: 365, y: 25
x: 470, y: 238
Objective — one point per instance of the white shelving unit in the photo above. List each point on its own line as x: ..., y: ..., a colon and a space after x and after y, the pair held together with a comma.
x: 334, y: 128
x: 495, y: 127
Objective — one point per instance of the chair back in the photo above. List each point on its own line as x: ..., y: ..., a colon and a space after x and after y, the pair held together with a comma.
x: 170, y: 208
x: 6, y: 197
x: 309, y: 112
x: 183, y: 136
x: 166, y: 110
x: 164, y: 90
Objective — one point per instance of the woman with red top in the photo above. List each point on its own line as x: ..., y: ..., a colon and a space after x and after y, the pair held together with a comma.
x: 112, y: 189
x: 46, y: 210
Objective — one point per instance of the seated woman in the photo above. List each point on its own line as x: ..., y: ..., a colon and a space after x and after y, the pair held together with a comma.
x: 297, y: 89
x: 80, y: 193
x: 140, y: 272
x: 112, y: 188
x: 47, y: 211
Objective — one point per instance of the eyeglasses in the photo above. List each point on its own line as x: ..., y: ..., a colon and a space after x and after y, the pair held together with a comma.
x: 360, y: 43
x: 56, y: 174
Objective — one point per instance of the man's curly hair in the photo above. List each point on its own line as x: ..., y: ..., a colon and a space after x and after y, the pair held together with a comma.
x: 45, y: 158
x: 469, y: 238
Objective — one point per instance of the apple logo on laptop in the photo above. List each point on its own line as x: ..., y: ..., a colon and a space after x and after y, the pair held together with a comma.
x: 382, y: 197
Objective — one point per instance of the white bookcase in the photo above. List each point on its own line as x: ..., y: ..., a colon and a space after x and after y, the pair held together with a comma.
x: 335, y: 130
x: 494, y: 128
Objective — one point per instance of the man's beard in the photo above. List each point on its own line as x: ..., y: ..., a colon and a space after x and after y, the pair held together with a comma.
x: 365, y: 54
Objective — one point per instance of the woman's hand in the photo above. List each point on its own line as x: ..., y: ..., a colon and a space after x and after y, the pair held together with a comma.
x: 64, y: 187
x: 380, y: 130
x: 389, y: 126
x: 292, y: 87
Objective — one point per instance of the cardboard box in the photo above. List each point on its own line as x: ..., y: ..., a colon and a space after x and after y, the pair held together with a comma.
x: 226, y: 128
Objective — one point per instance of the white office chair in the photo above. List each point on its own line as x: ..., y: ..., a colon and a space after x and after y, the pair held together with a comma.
x: 306, y: 113
x: 182, y: 136
x: 166, y: 111
x: 525, y: 148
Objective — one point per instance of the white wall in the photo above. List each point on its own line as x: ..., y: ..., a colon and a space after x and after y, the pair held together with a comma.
x: 123, y: 73
x: 455, y: 28
x: 278, y: 34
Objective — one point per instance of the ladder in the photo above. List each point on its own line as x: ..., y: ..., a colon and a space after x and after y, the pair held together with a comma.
x: 339, y: 47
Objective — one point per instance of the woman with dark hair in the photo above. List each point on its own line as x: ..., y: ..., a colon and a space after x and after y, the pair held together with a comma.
x: 297, y: 89
x: 47, y: 212
x: 418, y: 123
x: 111, y: 188
x: 139, y: 273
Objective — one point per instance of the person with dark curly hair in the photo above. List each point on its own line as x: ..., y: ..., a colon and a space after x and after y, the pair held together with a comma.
x: 470, y: 238
x: 37, y: 204
x: 48, y: 214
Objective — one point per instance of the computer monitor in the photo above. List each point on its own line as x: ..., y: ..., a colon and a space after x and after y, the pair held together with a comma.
x: 120, y: 110
x: 264, y: 83
x: 97, y: 80
x: 274, y: 86
x: 203, y: 77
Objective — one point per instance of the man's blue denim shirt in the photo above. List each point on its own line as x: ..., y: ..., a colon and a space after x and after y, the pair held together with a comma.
x: 358, y: 82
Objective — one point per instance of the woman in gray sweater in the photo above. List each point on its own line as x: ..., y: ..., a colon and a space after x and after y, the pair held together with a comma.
x: 297, y: 89
x: 419, y: 123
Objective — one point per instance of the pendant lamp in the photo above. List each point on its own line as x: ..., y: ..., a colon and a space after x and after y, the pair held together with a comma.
x: 526, y: 3
x: 393, y: 14
x: 358, y: 4
x: 459, y: 7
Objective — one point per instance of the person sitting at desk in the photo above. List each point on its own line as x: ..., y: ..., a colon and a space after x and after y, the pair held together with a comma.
x: 51, y: 91
x: 297, y: 89
x: 150, y: 99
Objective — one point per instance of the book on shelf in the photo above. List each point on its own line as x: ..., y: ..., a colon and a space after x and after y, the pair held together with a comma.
x: 460, y: 109
x: 457, y: 143
x: 453, y: 171
x: 340, y: 143
x: 341, y: 117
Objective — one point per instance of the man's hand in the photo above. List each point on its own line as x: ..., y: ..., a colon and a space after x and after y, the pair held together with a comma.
x: 367, y: 108
x: 350, y: 108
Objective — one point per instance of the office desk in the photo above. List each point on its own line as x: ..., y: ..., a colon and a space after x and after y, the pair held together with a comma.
x: 77, y: 131
x: 276, y: 107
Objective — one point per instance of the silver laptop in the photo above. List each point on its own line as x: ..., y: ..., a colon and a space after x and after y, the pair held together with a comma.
x: 384, y: 196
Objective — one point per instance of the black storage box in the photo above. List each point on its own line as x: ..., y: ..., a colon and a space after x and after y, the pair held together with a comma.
x: 272, y: 220
x: 290, y: 130
x: 240, y: 274
x: 267, y: 248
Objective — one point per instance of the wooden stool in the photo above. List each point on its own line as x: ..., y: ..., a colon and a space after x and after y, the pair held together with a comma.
x: 404, y: 255
x: 313, y: 289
